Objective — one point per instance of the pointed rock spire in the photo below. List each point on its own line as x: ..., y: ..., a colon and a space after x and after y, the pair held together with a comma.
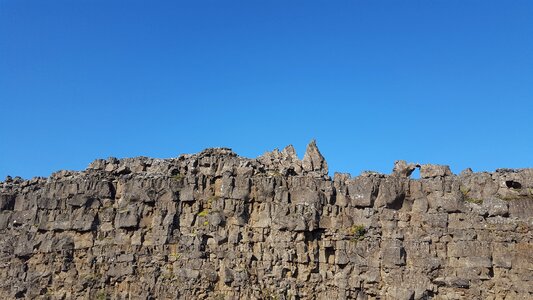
x: 289, y: 152
x: 313, y: 160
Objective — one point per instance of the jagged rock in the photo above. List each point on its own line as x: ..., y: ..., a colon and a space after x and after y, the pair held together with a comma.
x: 403, y: 169
x: 432, y: 171
x: 284, y: 163
x: 313, y: 160
x: 391, y: 193
x: 213, y: 225
x: 98, y: 164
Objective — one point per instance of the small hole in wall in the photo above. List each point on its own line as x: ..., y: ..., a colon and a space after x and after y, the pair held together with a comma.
x: 415, y: 174
x: 513, y: 184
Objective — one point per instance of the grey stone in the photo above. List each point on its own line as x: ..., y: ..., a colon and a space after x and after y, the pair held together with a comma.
x: 127, y: 218
x: 79, y: 200
x: 496, y: 207
x: 5, y: 217
x: 7, y: 202
x: 393, y: 254
x: 98, y: 164
x: 187, y: 193
x: 82, y: 220
x: 313, y: 160
x: 521, y: 208
x: 403, y: 169
x: 271, y: 227
x: 362, y: 191
x: 391, y: 193
x: 432, y: 171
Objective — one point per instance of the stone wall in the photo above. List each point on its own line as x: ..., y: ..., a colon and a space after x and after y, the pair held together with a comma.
x: 217, y: 226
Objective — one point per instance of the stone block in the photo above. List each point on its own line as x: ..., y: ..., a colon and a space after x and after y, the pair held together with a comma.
x: 393, y: 253
x: 432, y: 171
x: 469, y: 249
x: 127, y: 218
x: 362, y: 191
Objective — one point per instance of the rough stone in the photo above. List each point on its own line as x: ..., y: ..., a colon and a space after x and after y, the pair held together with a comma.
x: 431, y: 171
x: 313, y: 160
x: 214, y: 225
x: 403, y: 169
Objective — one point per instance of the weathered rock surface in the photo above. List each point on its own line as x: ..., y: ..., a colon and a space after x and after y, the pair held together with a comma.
x: 217, y: 226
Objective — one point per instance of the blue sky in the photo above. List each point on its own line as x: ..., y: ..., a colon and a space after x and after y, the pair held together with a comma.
x: 446, y: 82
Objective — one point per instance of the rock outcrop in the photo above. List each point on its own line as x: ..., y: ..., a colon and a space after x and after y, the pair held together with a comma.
x: 214, y: 225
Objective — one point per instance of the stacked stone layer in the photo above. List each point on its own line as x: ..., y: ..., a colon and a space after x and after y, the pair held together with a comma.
x: 217, y: 226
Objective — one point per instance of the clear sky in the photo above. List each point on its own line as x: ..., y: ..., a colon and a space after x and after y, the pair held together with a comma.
x: 441, y: 81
